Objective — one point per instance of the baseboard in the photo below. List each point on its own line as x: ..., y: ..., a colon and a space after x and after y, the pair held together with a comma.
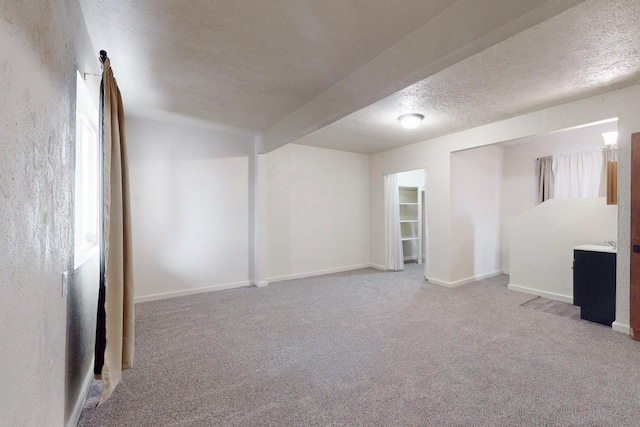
x: 463, y: 281
x: 261, y: 284
x: 439, y: 282
x: 506, y: 272
x: 378, y: 266
x: 192, y: 291
x: 318, y: 273
x: 82, y: 397
x: 540, y: 293
x: 621, y: 327
x: 475, y: 278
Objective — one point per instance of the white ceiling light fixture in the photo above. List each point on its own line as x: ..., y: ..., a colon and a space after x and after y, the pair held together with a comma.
x: 410, y: 121
x: 610, y: 138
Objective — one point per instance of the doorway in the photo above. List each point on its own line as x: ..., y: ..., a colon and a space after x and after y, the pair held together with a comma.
x: 406, y: 231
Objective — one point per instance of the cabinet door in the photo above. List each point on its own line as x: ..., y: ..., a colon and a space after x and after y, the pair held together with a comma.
x: 594, y: 276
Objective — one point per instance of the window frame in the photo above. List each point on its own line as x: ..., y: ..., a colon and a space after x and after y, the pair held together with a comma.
x: 87, y: 179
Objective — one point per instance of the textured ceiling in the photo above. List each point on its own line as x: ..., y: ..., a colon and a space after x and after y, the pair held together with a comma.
x: 303, y: 68
x: 592, y: 48
x: 243, y: 63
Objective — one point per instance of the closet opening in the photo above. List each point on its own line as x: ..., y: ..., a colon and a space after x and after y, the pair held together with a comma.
x: 406, y: 231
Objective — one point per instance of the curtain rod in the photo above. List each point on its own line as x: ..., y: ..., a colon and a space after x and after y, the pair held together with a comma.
x: 103, y: 56
x: 595, y: 150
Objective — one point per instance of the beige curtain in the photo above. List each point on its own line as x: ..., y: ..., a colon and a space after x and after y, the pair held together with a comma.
x: 118, y: 276
x: 608, y: 155
x: 545, y: 178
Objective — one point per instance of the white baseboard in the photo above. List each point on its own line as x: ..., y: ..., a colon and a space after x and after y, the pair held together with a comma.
x: 378, y: 266
x: 82, y: 397
x: 463, y: 281
x: 439, y: 282
x: 506, y: 272
x: 475, y: 278
x: 621, y: 327
x: 317, y: 273
x: 541, y: 293
x: 174, y: 294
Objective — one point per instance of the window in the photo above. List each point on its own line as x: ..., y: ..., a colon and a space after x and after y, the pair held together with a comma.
x: 86, y: 176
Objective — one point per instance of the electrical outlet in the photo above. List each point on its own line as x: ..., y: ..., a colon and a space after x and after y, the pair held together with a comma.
x: 65, y: 283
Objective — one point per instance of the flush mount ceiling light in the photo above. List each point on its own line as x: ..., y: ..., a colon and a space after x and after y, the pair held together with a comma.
x: 410, y: 121
x: 610, y: 138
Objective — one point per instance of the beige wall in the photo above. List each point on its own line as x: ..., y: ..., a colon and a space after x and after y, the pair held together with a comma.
x: 189, y: 208
x: 543, y: 238
x: 317, y: 211
x: 476, y: 199
x: 192, y: 201
x: 520, y: 182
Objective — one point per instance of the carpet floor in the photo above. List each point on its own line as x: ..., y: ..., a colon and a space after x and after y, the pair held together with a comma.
x: 370, y: 348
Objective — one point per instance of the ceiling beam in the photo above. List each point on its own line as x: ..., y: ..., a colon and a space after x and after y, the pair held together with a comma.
x: 461, y: 31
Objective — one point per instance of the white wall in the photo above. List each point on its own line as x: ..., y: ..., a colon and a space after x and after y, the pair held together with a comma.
x: 191, y: 200
x: 309, y: 189
x: 520, y: 182
x: 434, y: 154
x: 190, y: 209
x: 435, y: 158
x: 543, y: 238
x: 40, y: 50
x: 476, y: 196
x: 413, y: 178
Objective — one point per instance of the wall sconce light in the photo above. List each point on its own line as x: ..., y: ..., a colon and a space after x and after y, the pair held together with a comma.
x: 610, y: 138
x: 410, y: 121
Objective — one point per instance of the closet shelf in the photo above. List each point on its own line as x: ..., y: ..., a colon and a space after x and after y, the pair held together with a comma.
x: 410, y: 206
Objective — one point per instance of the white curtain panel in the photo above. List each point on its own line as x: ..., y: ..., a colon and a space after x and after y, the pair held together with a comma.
x: 425, y: 226
x: 393, y: 238
x: 577, y: 175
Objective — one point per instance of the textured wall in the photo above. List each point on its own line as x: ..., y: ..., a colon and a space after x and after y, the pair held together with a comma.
x: 317, y: 211
x: 82, y: 306
x: 189, y: 208
x: 41, y: 44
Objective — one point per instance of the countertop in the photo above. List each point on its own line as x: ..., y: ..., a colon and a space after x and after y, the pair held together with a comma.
x: 596, y: 248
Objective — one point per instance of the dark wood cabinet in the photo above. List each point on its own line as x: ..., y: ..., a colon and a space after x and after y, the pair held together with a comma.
x: 594, y: 285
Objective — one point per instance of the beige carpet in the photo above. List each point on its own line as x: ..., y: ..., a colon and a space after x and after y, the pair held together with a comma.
x: 371, y: 348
